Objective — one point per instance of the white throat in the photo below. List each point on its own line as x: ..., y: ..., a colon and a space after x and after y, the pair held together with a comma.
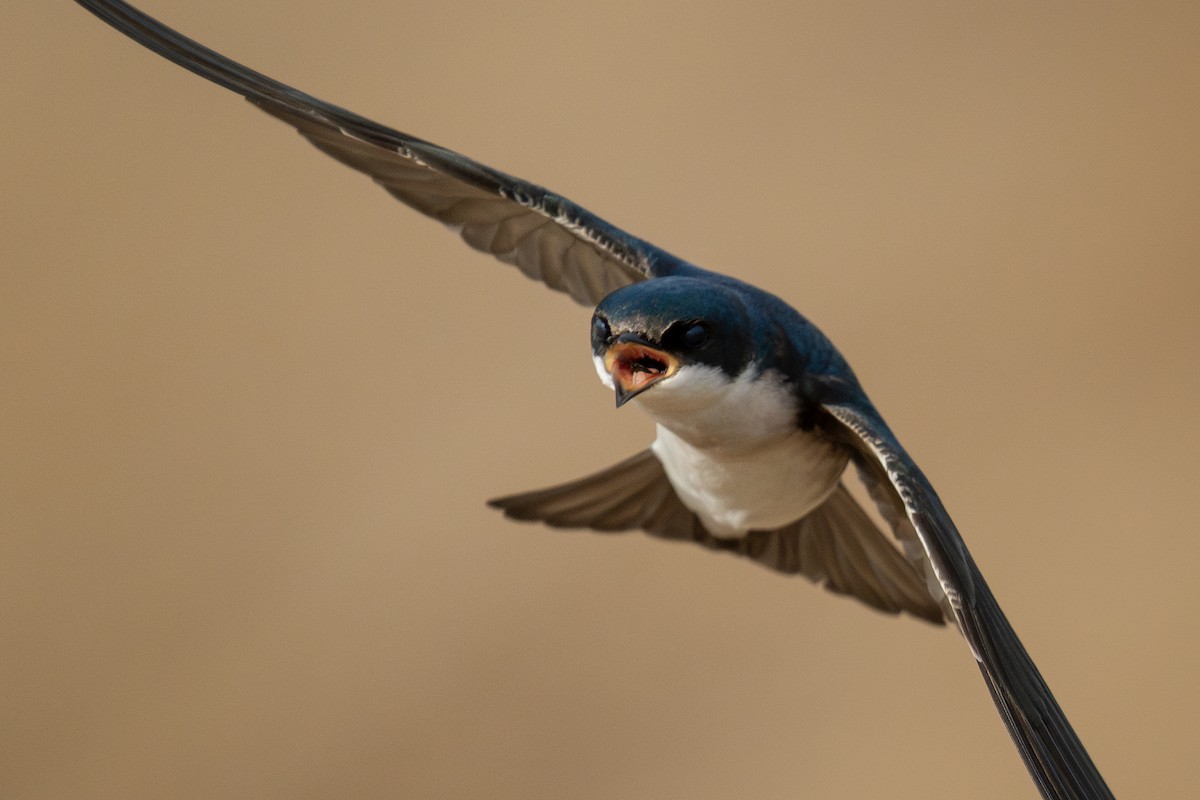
x: 733, y: 451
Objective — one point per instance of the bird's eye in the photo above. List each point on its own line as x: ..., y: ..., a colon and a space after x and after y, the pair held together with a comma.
x: 695, y: 334
x: 600, y: 329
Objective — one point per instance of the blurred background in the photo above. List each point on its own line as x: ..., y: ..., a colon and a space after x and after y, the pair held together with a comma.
x: 251, y: 407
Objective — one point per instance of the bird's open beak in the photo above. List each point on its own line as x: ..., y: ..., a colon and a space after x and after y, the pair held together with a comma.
x: 635, y: 366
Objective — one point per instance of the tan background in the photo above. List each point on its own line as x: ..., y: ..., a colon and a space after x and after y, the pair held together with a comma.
x: 252, y: 407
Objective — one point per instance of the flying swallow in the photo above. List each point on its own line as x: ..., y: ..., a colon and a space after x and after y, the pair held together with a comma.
x: 757, y: 414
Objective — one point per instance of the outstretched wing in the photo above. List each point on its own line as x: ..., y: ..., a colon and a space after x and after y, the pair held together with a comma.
x: 1049, y: 746
x: 836, y: 544
x: 547, y: 236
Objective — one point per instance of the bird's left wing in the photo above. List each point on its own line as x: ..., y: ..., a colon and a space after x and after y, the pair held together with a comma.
x: 546, y: 236
x: 1052, y: 752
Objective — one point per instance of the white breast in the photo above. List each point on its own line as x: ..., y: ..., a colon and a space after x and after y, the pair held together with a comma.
x: 733, y: 452
x: 764, y: 488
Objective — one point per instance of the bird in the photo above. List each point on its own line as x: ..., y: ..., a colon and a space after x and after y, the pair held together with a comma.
x: 757, y: 415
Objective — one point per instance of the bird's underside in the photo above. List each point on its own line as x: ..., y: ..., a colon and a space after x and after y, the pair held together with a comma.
x: 571, y: 250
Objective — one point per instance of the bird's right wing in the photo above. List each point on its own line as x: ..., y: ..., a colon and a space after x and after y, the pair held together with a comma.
x: 1053, y: 753
x: 546, y: 236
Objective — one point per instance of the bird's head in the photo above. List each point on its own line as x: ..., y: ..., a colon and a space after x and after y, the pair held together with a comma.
x: 678, y: 337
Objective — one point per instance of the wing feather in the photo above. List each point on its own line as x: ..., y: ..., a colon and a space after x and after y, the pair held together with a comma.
x: 1053, y: 753
x: 546, y: 236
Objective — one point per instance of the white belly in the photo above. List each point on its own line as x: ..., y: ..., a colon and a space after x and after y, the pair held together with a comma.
x: 762, y: 488
x: 733, y: 452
